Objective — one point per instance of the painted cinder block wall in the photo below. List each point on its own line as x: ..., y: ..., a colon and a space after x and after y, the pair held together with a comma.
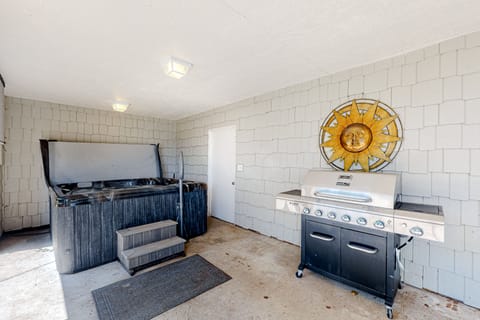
x: 25, y: 195
x: 436, y: 92
x: 2, y: 111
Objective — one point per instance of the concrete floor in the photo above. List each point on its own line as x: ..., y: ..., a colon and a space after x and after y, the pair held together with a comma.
x: 263, y: 285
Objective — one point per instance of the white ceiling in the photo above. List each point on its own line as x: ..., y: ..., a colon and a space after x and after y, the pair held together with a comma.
x: 91, y: 53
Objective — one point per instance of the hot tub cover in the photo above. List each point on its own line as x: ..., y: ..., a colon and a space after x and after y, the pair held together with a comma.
x: 72, y: 162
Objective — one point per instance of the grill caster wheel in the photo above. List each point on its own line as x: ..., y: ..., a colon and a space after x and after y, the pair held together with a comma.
x: 389, y: 313
x: 299, y: 273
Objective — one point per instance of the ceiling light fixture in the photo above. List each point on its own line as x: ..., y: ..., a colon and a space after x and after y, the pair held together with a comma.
x: 177, y: 68
x: 120, y: 107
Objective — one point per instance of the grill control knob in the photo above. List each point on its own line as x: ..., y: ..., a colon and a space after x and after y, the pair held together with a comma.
x: 331, y: 215
x: 346, y: 218
x: 306, y: 210
x: 416, y: 231
x: 379, y: 224
x: 361, y: 221
x: 318, y: 213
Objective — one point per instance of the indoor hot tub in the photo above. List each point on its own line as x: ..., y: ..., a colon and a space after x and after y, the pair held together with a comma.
x: 96, y: 189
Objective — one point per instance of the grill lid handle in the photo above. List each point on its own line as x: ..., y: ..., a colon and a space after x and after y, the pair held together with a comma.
x: 343, y: 196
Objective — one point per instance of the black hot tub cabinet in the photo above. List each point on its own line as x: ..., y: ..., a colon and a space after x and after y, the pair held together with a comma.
x: 86, y: 214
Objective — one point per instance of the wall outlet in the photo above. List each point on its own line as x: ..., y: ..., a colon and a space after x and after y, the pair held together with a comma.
x: 240, y: 167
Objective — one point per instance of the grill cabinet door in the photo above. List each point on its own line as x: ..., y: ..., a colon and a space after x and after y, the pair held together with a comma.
x: 322, y: 246
x: 364, y: 259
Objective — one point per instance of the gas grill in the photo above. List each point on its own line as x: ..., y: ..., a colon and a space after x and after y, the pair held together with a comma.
x: 352, y: 224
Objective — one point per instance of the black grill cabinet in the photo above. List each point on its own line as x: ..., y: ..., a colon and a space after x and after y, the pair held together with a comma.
x: 359, y: 257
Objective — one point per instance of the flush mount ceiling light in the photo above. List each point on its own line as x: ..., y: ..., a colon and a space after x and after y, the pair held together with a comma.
x: 177, y: 68
x: 120, y: 107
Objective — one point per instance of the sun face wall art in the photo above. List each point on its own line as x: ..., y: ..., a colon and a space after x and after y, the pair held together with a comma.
x: 361, y: 135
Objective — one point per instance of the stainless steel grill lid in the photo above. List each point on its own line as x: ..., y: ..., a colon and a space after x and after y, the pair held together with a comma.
x: 373, y: 189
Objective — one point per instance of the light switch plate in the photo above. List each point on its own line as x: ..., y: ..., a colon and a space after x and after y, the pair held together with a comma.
x: 240, y: 167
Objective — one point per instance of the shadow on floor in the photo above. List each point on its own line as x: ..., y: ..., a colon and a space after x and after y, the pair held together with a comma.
x: 24, y: 240
x: 77, y: 288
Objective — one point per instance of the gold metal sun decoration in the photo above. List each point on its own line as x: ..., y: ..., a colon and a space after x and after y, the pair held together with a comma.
x: 361, y: 134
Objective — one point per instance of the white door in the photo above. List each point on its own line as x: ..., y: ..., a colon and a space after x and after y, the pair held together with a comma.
x: 221, y: 172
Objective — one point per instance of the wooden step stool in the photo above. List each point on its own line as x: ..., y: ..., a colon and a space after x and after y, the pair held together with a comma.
x: 143, y: 246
